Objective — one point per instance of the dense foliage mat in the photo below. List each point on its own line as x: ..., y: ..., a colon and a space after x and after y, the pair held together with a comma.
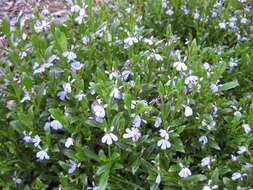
x: 145, y: 94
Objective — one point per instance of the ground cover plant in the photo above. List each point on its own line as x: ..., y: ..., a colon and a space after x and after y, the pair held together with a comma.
x: 146, y: 94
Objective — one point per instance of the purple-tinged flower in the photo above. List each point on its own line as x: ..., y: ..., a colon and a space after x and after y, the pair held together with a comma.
x: 73, y: 166
x: 27, y: 138
x: 70, y: 55
x: 98, y: 110
x: 158, y: 122
x: 76, y: 66
x: 56, y: 125
x: 108, y: 138
x: 214, y: 88
x: 246, y: 128
x: 242, y: 149
x: 36, y: 140
x: 203, y: 139
x: 185, y: 172
x: 116, y: 94
x: 164, y: 144
x: 133, y: 133
x: 80, y: 96
x: 62, y: 95
x: 42, y: 155
x: 26, y: 97
x: 136, y: 121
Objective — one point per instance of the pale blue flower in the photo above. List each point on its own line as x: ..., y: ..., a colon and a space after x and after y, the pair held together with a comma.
x: 73, y: 166
x: 42, y: 155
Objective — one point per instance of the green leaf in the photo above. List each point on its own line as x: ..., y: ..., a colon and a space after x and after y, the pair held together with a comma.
x: 6, y: 27
x: 228, y: 86
x: 60, y: 40
x: 103, y: 180
x: 58, y: 115
x: 26, y: 81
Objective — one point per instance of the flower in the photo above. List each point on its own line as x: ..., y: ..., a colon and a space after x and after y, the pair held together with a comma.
x: 164, y: 134
x: 108, y: 138
x: 76, y: 65
x: 164, y: 144
x: 27, y: 138
x: 158, y: 122
x: 242, y: 149
x: 73, y: 166
x: 98, y: 111
x: 62, y: 95
x: 130, y: 41
x: 222, y: 25
x: 56, y: 125
x: 236, y: 176
x: 185, y: 172
x: 80, y: 96
x: 42, y: 155
x: 158, y: 179
x: 36, y: 140
x: 133, y: 133
x: 26, y: 97
x: 136, y: 121
x: 214, y: 88
x: 207, y: 161
x: 69, y: 142
x: 203, y: 139
x: 86, y: 40
x: 70, y: 55
x: 116, y: 93
x: 180, y: 66
x: 188, y: 111
x: 191, y: 80
x: 246, y: 128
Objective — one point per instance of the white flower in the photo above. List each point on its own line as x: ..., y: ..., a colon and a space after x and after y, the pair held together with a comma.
x: 246, y: 128
x: 236, y: 176
x: 188, y: 111
x: 76, y: 66
x: 206, y: 161
x: 80, y: 96
x: 156, y: 57
x: 164, y: 144
x: 203, y: 139
x: 56, y: 125
x: 75, y: 8
x: 86, y: 40
x: 158, y: 179
x: 69, y: 142
x: 180, y: 66
x: 108, y: 138
x: 133, y: 133
x: 191, y: 80
x: 36, y: 140
x: 130, y: 41
x: 67, y: 87
x: 136, y: 121
x: 185, y: 172
x: 98, y: 111
x: 158, y: 122
x: 116, y: 94
x: 26, y: 97
x: 242, y: 149
x: 222, y: 25
x: 164, y: 134
x: 70, y: 55
x: 41, y: 26
x: 214, y: 88
x: 42, y: 155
